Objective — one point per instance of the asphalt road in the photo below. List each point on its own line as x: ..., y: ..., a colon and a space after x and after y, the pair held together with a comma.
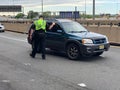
x: 18, y: 71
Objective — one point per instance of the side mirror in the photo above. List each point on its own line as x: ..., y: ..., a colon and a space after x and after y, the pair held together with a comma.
x: 59, y: 31
x: 119, y: 24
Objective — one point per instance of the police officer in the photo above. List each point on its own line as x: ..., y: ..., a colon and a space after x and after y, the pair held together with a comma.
x: 39, y: 36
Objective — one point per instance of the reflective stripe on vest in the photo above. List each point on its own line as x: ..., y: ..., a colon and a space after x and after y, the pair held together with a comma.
x: 40, y: 24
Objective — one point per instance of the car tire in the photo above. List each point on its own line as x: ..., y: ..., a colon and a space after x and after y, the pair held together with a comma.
x: 98, y: 54
x: 73, y: 52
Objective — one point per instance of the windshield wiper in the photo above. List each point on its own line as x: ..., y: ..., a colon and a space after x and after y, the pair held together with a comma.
x: 73, y: 31
x: 82, y: 31
x: 77, y: 31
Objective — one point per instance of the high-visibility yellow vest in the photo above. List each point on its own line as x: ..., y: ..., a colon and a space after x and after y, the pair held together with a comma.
x: 40, y: 24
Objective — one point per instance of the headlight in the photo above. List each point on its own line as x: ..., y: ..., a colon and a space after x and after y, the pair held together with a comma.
x: 87, y: 41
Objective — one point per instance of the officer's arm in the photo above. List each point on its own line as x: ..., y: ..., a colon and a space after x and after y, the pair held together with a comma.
x: 31, y: 32
x: 32, y: 29
x: 50, y: 27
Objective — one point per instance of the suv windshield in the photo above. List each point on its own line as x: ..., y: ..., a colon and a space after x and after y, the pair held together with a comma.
x: 73, y: 27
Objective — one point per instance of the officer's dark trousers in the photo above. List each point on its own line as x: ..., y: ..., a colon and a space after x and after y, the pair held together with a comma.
x: 39, y: 39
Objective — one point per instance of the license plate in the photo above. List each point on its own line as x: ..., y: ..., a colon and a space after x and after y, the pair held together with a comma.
x: 101, y: 47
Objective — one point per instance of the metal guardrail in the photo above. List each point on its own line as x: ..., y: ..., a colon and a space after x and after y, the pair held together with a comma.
x: 100, y: 22
x: 83, y: 22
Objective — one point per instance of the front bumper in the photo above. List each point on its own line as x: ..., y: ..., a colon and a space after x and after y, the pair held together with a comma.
x: 94, y: 48
x: 1, y: 30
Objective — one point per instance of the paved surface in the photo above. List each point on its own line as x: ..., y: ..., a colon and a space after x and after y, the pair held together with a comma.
x: 20, y: 72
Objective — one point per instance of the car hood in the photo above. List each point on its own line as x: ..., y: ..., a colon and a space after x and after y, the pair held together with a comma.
x: 90, y: 35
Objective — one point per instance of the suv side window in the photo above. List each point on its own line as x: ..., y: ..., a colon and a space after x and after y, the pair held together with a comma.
x: 54, y: 28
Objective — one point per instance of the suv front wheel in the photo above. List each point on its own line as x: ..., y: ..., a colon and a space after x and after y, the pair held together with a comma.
x: 73, y: 51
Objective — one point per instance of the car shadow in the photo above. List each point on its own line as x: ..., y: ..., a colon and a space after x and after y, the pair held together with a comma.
x: 84, y: 59
x: 56, y: 53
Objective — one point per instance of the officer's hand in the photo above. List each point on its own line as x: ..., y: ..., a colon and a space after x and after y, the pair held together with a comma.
x: 53, y: 23
x: 30, y: 37
x: 51, y: 26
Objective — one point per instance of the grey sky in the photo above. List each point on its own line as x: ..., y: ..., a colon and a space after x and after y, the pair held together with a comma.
x: 102, y: 6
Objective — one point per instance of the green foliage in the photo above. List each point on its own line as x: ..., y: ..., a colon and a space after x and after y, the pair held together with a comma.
x: 32, y: 14
x: 89, y: 16
x: 19, y: 15
x: 47, y: 14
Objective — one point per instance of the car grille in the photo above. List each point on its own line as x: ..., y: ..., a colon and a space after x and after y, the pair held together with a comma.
x: 99, y: 41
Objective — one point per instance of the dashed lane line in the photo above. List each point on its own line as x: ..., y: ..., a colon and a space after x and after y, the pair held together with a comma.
x: 15, y: 39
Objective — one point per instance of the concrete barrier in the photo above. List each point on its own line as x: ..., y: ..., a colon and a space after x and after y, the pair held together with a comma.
x: 113, y: 33
x: 17, y: 27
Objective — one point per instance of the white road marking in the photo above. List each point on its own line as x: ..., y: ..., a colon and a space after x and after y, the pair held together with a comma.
x: 32, y: 80
x: 27, y: 64
x: 82, y: 85
x: 6, y: 81
x: 1, y: 36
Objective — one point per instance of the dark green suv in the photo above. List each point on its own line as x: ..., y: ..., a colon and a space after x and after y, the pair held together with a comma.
x: 73, y: 39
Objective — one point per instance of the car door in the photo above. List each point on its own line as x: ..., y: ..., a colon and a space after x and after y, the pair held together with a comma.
x: 55, y: 38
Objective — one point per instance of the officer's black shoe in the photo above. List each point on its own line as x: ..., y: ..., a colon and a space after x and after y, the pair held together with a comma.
x: 43, y: 57
x: 32, y: 55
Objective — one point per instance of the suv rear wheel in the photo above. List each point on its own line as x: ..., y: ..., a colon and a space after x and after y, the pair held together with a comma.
x: 73, y: 51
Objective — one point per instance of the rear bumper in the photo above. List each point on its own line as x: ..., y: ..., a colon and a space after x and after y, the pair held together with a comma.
x: 92, y: 49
